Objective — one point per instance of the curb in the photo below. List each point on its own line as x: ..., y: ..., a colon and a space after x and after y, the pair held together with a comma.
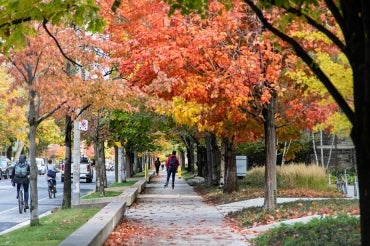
x: 97, y: 230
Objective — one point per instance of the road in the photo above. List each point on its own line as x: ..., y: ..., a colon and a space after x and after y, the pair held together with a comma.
x: 9, y: 215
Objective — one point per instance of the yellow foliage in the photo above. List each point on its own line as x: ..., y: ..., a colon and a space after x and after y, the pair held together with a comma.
x: 13, y: 120
x: 339, y: 72
x: 186, y: 113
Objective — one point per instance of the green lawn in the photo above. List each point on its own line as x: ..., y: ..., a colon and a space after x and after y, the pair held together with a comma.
x: 127, y: 183
x: 53, y: 228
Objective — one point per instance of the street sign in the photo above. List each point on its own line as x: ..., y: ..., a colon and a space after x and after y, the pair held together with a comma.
x: 84, y: 124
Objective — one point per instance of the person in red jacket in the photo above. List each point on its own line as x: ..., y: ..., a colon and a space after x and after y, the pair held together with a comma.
x: 172, y: 163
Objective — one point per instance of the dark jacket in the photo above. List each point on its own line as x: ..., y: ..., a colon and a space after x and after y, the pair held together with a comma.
x: 21, y: 180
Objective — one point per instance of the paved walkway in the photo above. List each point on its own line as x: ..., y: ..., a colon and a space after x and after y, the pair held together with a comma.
x: 177, y: 217
x: 180, y: 217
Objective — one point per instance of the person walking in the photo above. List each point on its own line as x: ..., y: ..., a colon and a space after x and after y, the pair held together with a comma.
x: 157, y: 164
x: 20, y: 174
x: 172, y: 164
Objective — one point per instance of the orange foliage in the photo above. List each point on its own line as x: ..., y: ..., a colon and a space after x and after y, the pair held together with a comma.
x: 219, y: 62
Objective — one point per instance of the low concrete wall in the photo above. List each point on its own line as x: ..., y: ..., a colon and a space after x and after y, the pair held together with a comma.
x: 97, y: 229
x: 128, y: 196
x: 140, y: 184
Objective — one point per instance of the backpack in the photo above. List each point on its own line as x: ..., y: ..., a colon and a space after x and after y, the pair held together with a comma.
x: 51, y: 173
x: 21, y: 170
x: 173, y: 162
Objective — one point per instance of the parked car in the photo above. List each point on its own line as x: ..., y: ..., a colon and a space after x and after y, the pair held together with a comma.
x: 109, y: 166
x: 86, y: 170
x: 5, y: 168
x: 40, y: 166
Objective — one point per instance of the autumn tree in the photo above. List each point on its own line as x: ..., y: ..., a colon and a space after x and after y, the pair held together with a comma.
x: 217, y: 63
x: 16, y: 26
x: 136, y: 131
x: 353, y: 22
x: 180, y: 71
x: 40, y: 69
x: 33, y: 71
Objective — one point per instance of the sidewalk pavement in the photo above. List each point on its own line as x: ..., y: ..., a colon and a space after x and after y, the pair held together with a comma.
x: 169, y: 216
x: 166, y: 216
x: 179, y: 216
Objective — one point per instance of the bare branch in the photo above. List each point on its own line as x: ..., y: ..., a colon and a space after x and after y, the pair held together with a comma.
x: 58, y: 45
x: 47, y: 115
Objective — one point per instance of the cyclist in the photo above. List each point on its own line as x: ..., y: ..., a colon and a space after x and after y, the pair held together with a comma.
x: 20, y: 174
x: 50, y: 171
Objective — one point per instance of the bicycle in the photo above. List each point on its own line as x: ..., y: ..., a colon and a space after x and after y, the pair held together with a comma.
x: 21, y: 200
x: 51, y: 188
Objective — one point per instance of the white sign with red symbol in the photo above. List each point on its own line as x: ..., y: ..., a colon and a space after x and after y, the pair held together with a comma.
x: 84, y: 124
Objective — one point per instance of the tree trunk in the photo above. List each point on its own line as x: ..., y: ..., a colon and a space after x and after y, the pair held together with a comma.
x: 201, y: 160
x: 126, y: 169
x: 19, y: 150
x: 120, y: 166
x: 115, y: 163
x: 213, y: 160
x: 189, y: 143
x: 9, y: 151
x: 231, y: 179
x: 361, y: 130
x: 191, y: 159
x: 314, y: 149
x: 32, y: 122
x: 34, y: 201
x: 99, y: 167
x: 321, y: 150
x: 221, y: 179
x: 135, y: 166
x: 270, y: 147
x: 67, y: 164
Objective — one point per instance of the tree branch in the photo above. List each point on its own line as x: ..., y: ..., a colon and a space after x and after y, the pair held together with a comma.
x: 315, y: 68
x: 321, y: 28
x: 47, y: 115
x: 58, y: 45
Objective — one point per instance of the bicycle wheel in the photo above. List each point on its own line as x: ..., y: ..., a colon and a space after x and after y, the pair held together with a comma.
x: 20, y: 201
x: 50, y: 190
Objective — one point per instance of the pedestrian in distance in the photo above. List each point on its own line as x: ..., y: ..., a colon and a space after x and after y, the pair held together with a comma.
x: 20, y: 177
x: 157, y: 164
x: 172, y: 164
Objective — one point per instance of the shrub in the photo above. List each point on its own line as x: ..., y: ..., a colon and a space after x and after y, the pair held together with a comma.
x: 341, y: 230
